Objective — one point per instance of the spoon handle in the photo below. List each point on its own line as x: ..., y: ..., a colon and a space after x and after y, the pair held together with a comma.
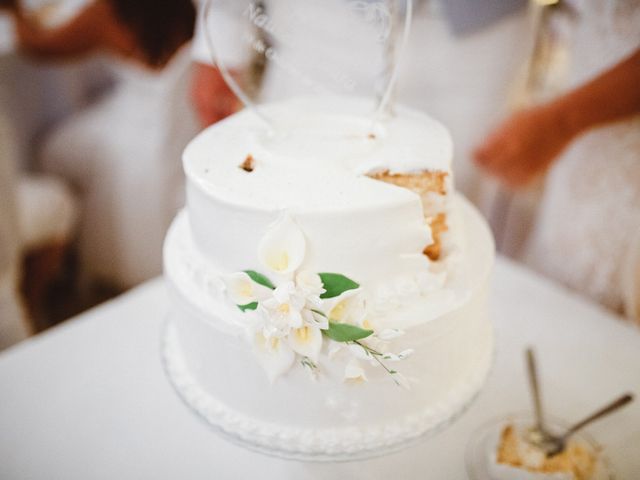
x: 535, y: 388
x: 613, y: 406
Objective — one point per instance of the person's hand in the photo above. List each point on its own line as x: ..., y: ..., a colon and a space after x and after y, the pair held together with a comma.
x: 211, y: 96
x: 525, y: 145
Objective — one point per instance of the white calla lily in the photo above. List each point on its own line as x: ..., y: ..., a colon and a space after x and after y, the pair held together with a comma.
x: 282, y: 248
x: 253, y: 322
x: 242, y: 290
x: 348, y: 307
x: 306, y: 341
x: 274, y: 354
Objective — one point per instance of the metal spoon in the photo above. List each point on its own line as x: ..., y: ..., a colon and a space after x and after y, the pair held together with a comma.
x: 554, y: 445
x: 535, y: 388
x: 537, y: 435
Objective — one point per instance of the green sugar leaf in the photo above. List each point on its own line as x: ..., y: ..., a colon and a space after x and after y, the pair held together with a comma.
x: 344, y: 332
x: 248, y: 306
x: 259, y: 278
x: 335, y: 284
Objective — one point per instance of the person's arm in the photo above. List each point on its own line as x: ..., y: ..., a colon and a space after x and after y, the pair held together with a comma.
x: 611, y: 96
x: 527, y: 143
x: 230, y: 26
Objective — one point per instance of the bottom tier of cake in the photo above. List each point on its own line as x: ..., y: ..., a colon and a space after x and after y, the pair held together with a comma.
x: 325, y: 418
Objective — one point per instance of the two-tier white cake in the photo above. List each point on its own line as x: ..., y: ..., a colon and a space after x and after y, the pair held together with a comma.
x: 330, y: 287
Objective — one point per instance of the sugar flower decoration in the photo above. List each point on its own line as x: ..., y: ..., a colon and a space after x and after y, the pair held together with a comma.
x: 274, y: 354
x: 292, y: 317
x: 282, y: 249
x: 242, y: 290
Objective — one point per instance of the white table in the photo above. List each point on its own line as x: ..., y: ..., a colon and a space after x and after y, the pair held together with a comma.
x: 89, y: 400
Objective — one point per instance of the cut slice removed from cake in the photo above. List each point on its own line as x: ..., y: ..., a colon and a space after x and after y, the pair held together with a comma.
x: 432, y: 189
x: 577, y: 462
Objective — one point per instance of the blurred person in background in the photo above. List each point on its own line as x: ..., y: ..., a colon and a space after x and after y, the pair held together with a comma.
x: 37, y: 217
x: 587, y: 234
x: 451, y: 41
x: 123, y: 152
x: 145, y: 31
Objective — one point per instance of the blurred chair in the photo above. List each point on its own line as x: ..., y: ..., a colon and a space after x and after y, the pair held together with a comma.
x: 47, y: 216
x: 37, y: 219
x: 123, y: 156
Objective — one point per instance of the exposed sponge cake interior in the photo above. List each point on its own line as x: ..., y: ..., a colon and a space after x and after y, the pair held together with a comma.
x: 432, y: 189
x: 577, y: 459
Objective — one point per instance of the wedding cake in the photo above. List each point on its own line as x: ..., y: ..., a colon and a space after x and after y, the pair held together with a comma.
x: 330, y: 286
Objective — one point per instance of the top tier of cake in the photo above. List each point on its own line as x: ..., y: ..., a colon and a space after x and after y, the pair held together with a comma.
x: 337, y: 174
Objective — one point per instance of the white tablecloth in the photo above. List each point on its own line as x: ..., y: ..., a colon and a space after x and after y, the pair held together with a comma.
x: 89, y: 400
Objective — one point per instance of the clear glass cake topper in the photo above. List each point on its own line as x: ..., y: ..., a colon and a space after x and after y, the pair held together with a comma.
x: 308, y: 48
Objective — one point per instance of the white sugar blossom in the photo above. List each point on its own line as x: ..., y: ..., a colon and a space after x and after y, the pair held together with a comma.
x: 310, y: 285
x: 359, y: 352
x: 353, y: 372
x: 274, y: 354
x: 334, y: 348
x: 402, y: 380
x: 282, y: 249
x: 315, y: 319
x: 396, y: 357
x: 242, y: 290
x: 306, y: 341
x: 283, y: 310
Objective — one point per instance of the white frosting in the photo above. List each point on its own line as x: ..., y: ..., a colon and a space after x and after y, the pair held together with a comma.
x: 296, y: 416
x: 270, y: 428
x: 312, y: 167
x: 403, y: 301
x: 316, y: 155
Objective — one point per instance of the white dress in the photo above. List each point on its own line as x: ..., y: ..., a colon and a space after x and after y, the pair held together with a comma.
x: 123, y: 154
x: 588, y: 230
